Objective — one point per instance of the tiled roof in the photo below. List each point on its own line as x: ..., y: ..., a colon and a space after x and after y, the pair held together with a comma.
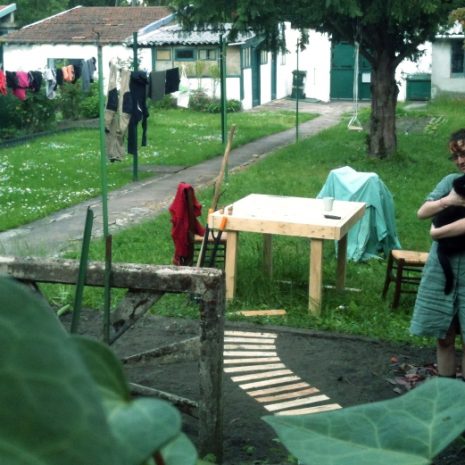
x: 80, y: 25
x: 174, y: 35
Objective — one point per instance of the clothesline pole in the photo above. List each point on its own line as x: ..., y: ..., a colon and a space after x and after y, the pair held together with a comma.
x: 297, y: 94
x: 103, y: 157
x: 135, y: 169
x: 223, y: 89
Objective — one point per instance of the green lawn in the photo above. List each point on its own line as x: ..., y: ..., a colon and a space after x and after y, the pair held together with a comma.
x: 53, y: 172
x: 301, y: 170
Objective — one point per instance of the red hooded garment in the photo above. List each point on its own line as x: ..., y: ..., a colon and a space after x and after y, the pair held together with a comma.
x: 180, y: 232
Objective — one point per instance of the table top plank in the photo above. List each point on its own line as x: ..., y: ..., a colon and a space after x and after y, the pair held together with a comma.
x: 289, y: 216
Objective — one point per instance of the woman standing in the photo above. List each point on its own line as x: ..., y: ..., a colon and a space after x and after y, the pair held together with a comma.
x: 438, y: 314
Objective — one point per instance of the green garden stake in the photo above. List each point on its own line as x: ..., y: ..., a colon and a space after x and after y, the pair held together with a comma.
x: 82, y: 271
x: 223, y: 89
x: 107, y: 290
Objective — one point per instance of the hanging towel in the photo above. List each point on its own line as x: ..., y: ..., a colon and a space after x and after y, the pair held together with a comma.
x: 172, y: 80
x: 59, y: 75
x: 157, y: 85
x: 50, y: 83
x: 68, y: 73
x: 88, y: 70
x: 183, y: 247
x: 11, y: 80
x: 3, y: 89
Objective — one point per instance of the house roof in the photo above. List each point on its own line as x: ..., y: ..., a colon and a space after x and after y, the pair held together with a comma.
x: 80, y: 25
x: 175, y: 35
x: 7, y: 9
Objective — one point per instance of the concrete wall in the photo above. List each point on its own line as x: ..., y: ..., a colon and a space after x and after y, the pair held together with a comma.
x: 441, y: 79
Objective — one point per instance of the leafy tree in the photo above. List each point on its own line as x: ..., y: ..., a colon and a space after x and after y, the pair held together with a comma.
x: 29, y: 11
x: 387, y: 30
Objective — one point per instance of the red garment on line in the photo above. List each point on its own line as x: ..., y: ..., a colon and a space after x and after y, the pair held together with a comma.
x: 183, y: 247
x: 23, y: 84
x: 3, y: 83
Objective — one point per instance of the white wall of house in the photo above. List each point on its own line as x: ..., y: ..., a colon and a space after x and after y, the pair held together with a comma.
x: 442, y: 79
x: 247, y: 82
x: 36, y: 57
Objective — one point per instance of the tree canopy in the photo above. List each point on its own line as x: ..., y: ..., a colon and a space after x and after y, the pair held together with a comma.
x: 387, y: 30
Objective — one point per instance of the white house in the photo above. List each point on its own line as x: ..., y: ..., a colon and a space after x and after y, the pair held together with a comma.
x: 73, y: 34
x: 448, y: 71
x: 330, y: 69
x: 253, y: 75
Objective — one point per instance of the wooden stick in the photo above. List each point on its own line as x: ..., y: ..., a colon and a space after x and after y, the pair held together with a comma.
x: 224, y: 164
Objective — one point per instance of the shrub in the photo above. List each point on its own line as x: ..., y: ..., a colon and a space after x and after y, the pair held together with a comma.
x: 76, y: 104
x: 200, y: 101
x: 36, y: 113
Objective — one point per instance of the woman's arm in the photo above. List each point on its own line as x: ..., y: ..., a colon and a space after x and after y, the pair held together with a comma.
x: 431, y: 207
x: 456, y: 228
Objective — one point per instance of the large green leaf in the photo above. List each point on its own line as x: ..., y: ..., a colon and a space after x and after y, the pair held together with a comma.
x: 180, y: 451
x: 50, y: 409
x: 140, y: 426
x: 408, y: 430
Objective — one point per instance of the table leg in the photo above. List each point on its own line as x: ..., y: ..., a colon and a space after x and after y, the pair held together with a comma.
x: 230, y: 263
x: 268, y: 255
x: 315, y: 276
x: 341, y: 263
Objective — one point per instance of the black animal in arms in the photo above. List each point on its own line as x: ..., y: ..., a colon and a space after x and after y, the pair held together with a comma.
x: 450, y: 246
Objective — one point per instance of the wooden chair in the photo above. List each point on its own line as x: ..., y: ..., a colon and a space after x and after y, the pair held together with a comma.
x: 404, y: 268
x: 214, y: 247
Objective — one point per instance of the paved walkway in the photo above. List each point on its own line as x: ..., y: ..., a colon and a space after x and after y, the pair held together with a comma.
x: 145, y: 199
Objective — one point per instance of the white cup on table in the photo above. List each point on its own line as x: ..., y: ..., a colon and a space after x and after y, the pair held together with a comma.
x: 328, y: 203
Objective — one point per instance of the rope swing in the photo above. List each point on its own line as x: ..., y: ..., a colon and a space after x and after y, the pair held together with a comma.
x: 354, y: 123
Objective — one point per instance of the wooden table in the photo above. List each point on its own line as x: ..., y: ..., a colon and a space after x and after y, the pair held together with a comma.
x: 289, y: 216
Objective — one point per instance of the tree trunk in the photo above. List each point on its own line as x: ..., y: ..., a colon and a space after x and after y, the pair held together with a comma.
x: 384, y: 90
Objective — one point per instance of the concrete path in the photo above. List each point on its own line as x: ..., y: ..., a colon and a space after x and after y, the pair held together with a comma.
x: 145, y: 199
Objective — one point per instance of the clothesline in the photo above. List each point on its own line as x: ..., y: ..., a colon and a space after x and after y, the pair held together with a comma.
x: 22, y: 81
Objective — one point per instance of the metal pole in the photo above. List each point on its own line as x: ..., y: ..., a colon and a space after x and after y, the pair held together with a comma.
x: 135, y: 169
x: 297, y: 96
x: 103, y: 156
x: 223, y: 90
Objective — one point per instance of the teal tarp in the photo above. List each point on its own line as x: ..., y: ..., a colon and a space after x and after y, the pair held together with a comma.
x: 376, y: 232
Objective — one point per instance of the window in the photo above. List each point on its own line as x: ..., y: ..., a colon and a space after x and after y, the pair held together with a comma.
x: 456, y: 57
x: 163, y: 54
x: 184, y: 54
x: 263, y: 57
x: 246, y: 57
x: 207, y: 54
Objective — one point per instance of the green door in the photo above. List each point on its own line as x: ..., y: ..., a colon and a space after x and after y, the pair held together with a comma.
x: 255, y: 76
x: 342, y: 73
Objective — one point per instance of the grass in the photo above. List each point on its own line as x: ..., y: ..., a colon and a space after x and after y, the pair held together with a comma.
x: 50, y: 173
x: 301, y: 170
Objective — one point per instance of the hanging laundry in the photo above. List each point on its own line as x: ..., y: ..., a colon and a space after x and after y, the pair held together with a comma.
x: 3, y: 89
x: 68, y: 73
x: 35, y: 80
x: 118, y: 112
x: 172, y: 80
x: 59, y: 75
x: 11, y: 80
x: 183, y: 246
x: 77, y: 68
x: 50, y: 83
x: 23, y: 84
x: 157, y: 81
x: 88, y: 71
x: 140, y: 113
